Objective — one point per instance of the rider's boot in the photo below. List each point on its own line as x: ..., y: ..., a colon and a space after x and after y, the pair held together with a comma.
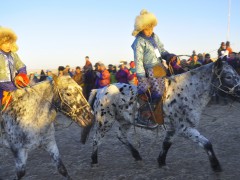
x: 146, y: 112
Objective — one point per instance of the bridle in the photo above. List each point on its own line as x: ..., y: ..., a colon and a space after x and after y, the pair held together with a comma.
x: 230, y: 91
x: 72, y: 112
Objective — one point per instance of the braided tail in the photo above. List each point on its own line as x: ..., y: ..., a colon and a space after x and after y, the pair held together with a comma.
x: 86, y: 130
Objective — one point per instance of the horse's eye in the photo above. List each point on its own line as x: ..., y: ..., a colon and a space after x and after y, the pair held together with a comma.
x: 68, y: 94
x: 228, y: 77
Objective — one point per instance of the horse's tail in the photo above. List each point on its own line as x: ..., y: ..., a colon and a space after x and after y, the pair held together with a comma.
x: 86, y: 130
x: 92, y: 97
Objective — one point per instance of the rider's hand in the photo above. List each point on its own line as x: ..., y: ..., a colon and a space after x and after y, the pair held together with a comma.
x: 165, y: 64
x: 19, y: 78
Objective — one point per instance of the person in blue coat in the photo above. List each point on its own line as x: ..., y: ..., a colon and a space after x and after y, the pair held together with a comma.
x: 150, y: 57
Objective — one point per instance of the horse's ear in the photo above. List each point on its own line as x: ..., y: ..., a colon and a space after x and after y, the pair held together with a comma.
x: 55, y: 78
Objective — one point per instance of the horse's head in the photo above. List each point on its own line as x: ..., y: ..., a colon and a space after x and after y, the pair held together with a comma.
x: 226, y: 79
x: 68, y: 98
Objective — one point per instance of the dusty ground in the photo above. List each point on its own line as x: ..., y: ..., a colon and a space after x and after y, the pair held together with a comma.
x: 220, y: 124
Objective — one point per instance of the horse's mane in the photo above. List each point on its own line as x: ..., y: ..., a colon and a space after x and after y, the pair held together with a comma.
x: 192, y: 72
x: 40, y: 83
x: 36, y: 88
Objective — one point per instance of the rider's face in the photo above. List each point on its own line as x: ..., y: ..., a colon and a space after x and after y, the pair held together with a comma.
x: 6, y: 47
x: 148, y: 31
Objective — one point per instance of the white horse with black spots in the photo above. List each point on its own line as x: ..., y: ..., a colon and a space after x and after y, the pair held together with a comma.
x: 186, y: 96
x: 28, y: 121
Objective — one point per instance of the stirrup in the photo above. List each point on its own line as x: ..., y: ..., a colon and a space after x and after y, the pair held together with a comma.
x: 145, y: 123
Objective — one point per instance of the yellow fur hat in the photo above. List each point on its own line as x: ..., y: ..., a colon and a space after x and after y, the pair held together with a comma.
x: 7, y: 35
x: 143, y: 21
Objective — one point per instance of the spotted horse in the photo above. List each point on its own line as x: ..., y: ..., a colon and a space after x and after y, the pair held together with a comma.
x: 27, y: 123
x: 184, y: 100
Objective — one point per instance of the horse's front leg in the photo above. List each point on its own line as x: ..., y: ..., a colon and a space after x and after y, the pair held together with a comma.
x: 52, y: 149
x: 122, y: 136
x: 102, y: 127
x: 20, y: 156
x: 167, y: 142
x: 195, y: 136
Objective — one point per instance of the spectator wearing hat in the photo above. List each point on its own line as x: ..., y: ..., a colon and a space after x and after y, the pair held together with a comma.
x: 78, y: 77
x: 61, y: 70
x: 132, y: 77
x: 150, y: 59
x: 122, y: 74
x: 103, y: 76
x: 89, y: 77
x: 67, y: 71
x: 43, y: 76
x: 88, y: 65
x: 207, y: 59
x: 49, y: 75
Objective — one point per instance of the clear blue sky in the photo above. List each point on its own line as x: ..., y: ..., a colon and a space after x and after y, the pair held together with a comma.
x: 60, y: 32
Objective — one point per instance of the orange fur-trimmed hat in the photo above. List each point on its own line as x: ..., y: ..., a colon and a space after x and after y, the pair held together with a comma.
x: 7, y: 35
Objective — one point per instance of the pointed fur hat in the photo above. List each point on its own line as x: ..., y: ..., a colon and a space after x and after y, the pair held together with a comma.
x: 143, y: 21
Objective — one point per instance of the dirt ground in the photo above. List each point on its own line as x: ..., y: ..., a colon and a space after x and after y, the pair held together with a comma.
x: 185, y: 160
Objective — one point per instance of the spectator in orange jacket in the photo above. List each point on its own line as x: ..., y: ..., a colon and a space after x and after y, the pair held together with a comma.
x: 132, y: 77
x: 228, y: 47
x: 103, y: 75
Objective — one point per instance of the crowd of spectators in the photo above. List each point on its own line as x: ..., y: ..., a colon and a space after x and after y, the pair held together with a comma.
x: 100, y: 75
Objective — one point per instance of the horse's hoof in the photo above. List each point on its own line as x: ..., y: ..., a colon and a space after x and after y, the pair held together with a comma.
x: 94, y: 165
x: 165, y: 167
x: 139, y: 163
x: 161, y: 165
x: 138, y: 158
x: 217, y: 168
x: 68, y: 178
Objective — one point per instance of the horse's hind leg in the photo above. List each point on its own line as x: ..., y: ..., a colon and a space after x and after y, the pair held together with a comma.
x: 167, y: 142
x: 20, y: 156
x: 52, y: 149
x: 122, y: 136
x: 195, y: 136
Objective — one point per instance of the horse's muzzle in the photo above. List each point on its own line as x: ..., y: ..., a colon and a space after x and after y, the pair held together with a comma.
x: 85, y: 121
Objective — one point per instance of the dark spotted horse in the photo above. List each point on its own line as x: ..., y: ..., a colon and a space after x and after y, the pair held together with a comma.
x: 28, y: 121
x: 184, y: 99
